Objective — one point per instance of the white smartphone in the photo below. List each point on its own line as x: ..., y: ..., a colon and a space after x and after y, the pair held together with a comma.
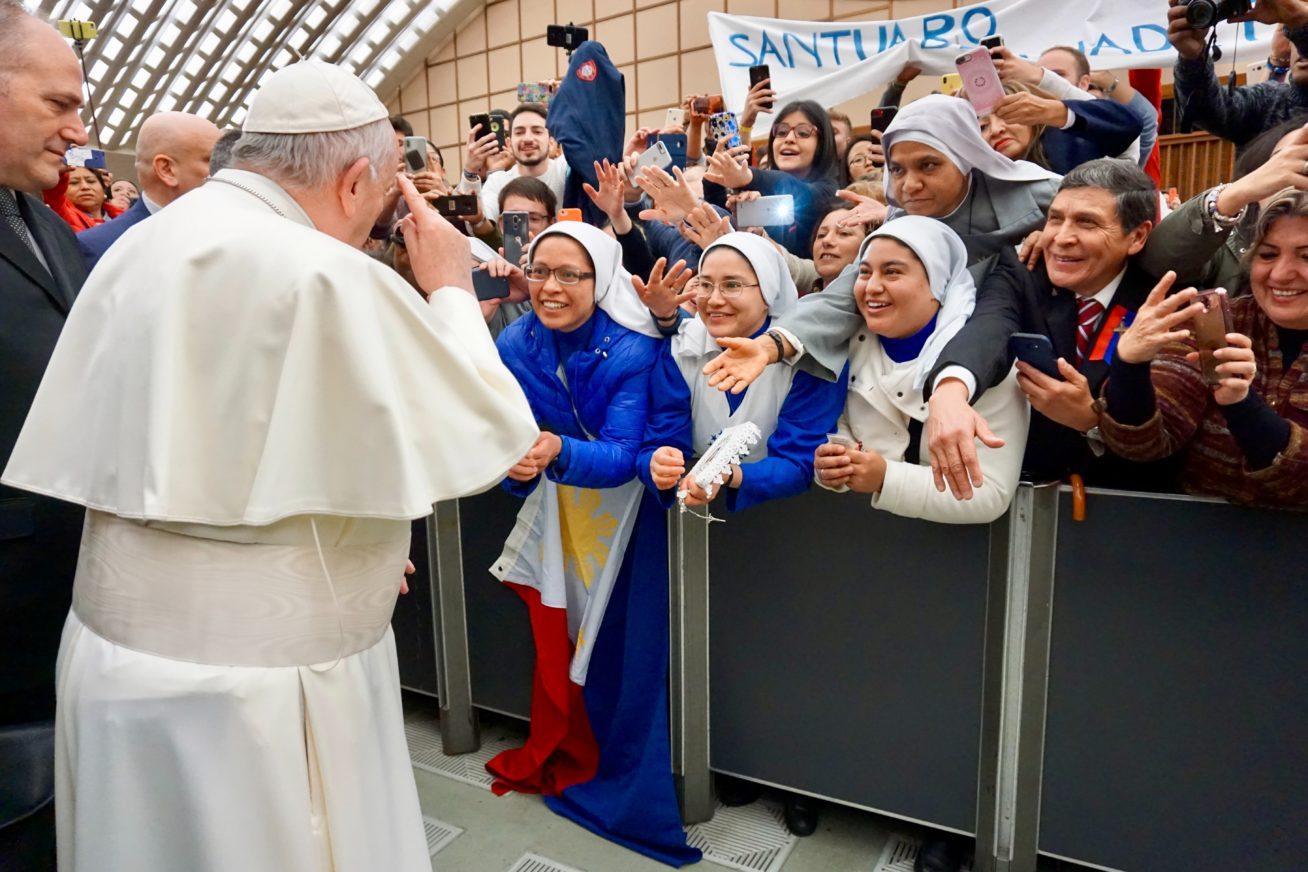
x: 675, y: 118
x: 657, y: 155
x: 775, y: 211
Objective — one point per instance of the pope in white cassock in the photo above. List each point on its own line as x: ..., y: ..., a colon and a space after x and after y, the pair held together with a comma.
x: 253, y: 411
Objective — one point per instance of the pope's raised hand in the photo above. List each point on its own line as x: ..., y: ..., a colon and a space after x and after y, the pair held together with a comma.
x: 439, y: 254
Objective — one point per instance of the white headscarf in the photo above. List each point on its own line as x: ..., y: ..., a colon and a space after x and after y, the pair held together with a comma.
x: 950, y: 126
x: 944, y: 257
x: 774, y: 279
x: 614, y: 292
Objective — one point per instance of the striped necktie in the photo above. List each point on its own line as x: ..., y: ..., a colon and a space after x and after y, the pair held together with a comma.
x: 1088, y: 313
x: 12, y: 217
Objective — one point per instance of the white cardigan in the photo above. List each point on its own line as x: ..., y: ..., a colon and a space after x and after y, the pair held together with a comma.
x: 880, y: 403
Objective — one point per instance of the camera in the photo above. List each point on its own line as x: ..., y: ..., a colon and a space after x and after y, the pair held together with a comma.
x: 1205, y: 13
x: 566, y: 36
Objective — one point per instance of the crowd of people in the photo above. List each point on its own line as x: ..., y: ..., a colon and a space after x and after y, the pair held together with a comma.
x: 950, y: 305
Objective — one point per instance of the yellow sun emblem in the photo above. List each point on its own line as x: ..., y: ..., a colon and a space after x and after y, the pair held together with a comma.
x: 586, y: 531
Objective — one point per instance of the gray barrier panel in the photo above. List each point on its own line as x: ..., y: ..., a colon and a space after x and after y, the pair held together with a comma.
x: 1176, y: 733
x: 499, y: 633
x: 846, y: 654
x: 415, y: 642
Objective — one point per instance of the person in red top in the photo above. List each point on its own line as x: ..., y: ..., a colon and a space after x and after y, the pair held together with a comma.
x: 81, y: 199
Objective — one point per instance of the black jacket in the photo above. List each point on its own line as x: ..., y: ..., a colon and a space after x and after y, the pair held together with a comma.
x: 1014, y: 299
x: 39, y: 537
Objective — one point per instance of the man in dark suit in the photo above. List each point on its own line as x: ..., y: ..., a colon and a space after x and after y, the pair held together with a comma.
x: 172, y: 157
x: 41, y: 272
x: 1086, y: 290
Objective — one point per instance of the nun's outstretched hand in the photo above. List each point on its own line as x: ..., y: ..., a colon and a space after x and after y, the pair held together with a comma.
x: 742, y: 361
x: 665, y: 292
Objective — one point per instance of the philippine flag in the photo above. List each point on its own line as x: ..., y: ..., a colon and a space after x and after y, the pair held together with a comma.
x: 592, y: 566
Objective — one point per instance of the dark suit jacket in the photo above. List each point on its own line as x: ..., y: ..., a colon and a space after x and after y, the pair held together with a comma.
x: 39, y: 537
x: 1013, y: 299
x: 96, y: 241
x: 1102, y: 129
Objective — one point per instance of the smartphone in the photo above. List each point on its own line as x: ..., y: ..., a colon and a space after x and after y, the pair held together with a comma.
x: 675, y: 118
x: 841, y: 439
x: 657, y: 155
x: 489, y: 287
x: 415, y: 154
x: 724, y: 125
x: 775, y: 211
x: 566, y: 36
x: 456, y: 205
x: 708, y: 105
x: 980, y: 80
x: 489, y: 124
x: 534, y: 92
x: 516, y: 236
x: 570, y: 215
x: 676, y: 146
x: 1210, y: 329
x: 993, y: 42
x: 80, y: 156
x: 950, y: 83
x: 882, y: 116
x: 1036, y: 350
x: 758, y: 74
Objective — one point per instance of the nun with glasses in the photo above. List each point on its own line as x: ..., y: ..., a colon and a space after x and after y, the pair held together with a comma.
x: 582, y: 546
x: 742, y: 284
x: 938, y: 166
x: 914, y: 293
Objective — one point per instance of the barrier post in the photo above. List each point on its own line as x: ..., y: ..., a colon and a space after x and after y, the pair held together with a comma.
x: 688, y: 576
x: 1016, y: 677
x: 460, y: 732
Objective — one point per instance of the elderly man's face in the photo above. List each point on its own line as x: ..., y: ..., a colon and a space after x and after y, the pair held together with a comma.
x: 40, y: 95
x: 1085, y: 245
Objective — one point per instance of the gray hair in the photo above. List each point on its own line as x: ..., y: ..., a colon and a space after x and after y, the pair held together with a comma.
x: 313, y: 160
x: 12, y: 35
x: 1135, y: 192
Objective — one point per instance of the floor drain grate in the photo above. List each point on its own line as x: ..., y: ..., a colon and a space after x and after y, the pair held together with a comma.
x: 899, y: 854
x: 439, y: 834
x: 752, y: 838
x: 537, y: 863
x: 427, y: 754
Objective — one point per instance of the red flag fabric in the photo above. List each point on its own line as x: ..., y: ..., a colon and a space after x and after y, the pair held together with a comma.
x: 1150, y: 84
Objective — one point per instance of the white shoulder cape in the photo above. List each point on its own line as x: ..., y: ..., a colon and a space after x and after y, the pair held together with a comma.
x: 226, y: 363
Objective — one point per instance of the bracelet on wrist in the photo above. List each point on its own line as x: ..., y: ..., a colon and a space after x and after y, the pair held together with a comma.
x: 776, y: 339
x: 1219, y: 221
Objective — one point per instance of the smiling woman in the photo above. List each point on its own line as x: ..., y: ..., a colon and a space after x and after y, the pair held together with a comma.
x: 1242, y: 430
x: 914, y: 293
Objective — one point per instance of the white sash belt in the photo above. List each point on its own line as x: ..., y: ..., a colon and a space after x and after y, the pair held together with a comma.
x: 232, y: 604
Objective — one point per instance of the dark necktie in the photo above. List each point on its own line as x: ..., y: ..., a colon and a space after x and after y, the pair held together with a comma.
x: 14, y: 219
x: 1088, y: 313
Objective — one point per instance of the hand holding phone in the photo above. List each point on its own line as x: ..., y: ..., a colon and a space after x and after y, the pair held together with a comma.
x: 882, y: 116
x: 774, y: 211
x: 758, y: 74
x: 1036, y: 351
x: 489, y: 124
x: 415, y: 154
x: 1209, y: 329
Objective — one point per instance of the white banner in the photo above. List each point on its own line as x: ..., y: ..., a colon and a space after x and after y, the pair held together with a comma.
x: 832, y: 62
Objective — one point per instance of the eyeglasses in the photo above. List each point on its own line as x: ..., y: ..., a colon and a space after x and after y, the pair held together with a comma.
x: 564, y: 275
x: 861, y: 160
x: 730, y: 290
x: 801, y: 131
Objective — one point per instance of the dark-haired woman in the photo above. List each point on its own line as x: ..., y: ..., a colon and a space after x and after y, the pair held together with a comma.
x: 802, y: 156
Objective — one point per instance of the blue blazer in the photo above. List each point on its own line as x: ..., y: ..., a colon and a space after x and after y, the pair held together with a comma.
x: 599, y: 412
x: 96, y: 241
x: 1102, y: 129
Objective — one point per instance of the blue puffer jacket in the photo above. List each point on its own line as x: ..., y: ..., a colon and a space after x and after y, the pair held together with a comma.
x: 599, y: 413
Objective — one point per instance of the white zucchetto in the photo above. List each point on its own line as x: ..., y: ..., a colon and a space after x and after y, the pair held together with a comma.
x: 312, y: 97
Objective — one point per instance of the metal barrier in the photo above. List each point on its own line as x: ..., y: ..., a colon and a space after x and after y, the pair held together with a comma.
x: 1145, y: 712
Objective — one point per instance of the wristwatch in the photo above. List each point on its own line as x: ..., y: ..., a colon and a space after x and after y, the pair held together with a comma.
x: 1219, y: 221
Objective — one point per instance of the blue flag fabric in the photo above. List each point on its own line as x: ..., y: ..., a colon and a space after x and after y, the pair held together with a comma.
x: 588, y: 117
x: 632, y: 800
